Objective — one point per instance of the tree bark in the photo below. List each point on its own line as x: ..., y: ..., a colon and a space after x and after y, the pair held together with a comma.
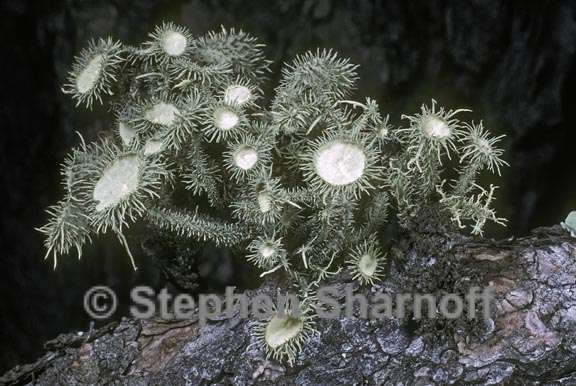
x: 531, y: 339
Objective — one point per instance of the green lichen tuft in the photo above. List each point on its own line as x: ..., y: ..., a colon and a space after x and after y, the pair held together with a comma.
x: 304, y: 188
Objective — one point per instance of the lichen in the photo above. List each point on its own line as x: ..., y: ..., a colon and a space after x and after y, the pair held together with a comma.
x: 570, y: 223
x: 303, y: 188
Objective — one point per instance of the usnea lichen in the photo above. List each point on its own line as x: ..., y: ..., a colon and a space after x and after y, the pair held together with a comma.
x: 302, y: 189
x: 94, y: 72
x: 284, y: 333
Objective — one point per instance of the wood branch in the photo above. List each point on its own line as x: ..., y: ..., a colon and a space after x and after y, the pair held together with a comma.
x: 530, y: 341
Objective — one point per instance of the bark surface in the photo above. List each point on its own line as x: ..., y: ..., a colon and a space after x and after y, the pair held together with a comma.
x: 530, y: 339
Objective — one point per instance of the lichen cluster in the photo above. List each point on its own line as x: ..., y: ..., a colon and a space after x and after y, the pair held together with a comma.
x: 301, y: 183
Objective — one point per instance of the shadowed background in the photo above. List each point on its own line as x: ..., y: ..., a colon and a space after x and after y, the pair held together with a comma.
x: 510, y: 61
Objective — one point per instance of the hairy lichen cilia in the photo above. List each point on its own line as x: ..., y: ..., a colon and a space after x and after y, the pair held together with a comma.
x: 286, y: 331
x: 303, y: 187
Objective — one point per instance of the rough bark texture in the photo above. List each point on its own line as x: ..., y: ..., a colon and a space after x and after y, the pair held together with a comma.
x: 532, y: 339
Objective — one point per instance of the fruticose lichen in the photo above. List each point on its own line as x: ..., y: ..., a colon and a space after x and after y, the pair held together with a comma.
x: 303, y: 187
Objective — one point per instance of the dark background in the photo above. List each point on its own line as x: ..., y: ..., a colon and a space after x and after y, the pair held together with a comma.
x: 511, y: 61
